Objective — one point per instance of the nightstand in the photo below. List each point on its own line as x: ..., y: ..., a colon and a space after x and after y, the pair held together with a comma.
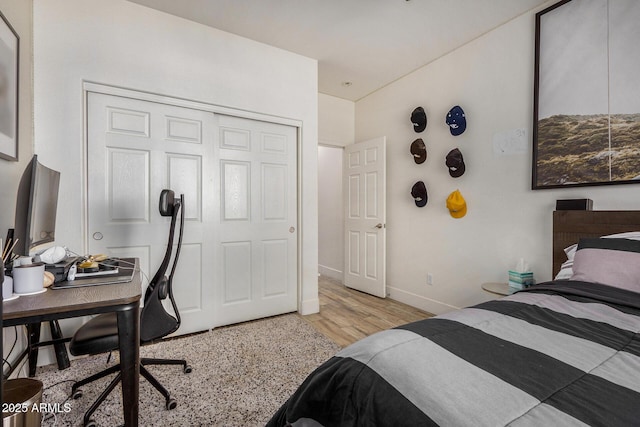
x: 499, y: 288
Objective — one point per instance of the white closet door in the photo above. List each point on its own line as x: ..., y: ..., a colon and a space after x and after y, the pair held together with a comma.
x: 135, y: 149
x: 257, y: 236
x: 239, y: 259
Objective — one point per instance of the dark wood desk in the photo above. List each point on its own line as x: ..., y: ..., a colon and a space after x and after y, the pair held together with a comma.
x: 122, y: 298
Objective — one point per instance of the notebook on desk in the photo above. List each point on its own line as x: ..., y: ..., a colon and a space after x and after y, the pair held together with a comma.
x: 122, y: 274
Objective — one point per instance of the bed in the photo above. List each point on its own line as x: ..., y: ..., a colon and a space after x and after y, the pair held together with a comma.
x: 564, y: 352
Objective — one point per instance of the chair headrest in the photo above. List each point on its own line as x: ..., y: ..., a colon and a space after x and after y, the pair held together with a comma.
x: 167, y: 203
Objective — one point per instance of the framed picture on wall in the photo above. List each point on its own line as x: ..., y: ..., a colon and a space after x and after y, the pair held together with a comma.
x: 586, y: 128
x: 9, y: 43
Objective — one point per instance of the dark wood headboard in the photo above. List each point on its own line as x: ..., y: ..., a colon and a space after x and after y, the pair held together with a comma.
x: 570, y: 226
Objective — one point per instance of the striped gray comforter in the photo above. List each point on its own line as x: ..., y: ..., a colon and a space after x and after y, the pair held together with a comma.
x: 562, y: 353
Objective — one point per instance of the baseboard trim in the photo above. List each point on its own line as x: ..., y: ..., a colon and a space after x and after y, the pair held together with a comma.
x: 419, y: 301
x: 331, y: 273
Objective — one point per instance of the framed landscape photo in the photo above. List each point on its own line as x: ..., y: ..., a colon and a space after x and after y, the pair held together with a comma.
x: 9, y: 43
x: 586, y: 128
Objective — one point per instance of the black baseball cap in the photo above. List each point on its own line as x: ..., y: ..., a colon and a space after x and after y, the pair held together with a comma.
x: 419, y: 151
x: 419, y: 119
x: 419, y: 194
x: 455, y: 163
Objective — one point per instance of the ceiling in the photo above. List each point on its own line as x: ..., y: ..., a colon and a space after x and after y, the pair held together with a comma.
x: 360, y: 45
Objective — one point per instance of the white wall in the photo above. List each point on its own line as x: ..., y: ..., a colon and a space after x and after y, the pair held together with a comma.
x: 330, y: 212
x: 492, y: 79
x: 336, y: 129
x: 123, y: 44
x: 336, y: 126
x: 19, y: 15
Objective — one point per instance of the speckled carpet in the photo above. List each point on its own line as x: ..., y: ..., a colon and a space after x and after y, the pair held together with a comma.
x: 241, y: 375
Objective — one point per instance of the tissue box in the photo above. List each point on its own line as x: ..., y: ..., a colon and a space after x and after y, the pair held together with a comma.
x: 519, y: 280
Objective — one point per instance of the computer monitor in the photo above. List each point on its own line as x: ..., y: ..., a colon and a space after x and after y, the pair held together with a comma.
x: 36, y: 206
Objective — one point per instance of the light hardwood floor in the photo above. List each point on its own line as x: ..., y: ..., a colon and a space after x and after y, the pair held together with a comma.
x: 347, y: 315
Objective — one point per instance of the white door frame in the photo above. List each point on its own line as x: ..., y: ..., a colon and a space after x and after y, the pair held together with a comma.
x: 88, y: 86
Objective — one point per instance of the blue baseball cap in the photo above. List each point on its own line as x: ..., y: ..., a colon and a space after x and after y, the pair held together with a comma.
x: 456, y: 120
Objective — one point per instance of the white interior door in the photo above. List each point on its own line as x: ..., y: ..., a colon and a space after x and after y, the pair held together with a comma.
x: 365, y: 216
x: 258, y: 231
x: 135, y: 149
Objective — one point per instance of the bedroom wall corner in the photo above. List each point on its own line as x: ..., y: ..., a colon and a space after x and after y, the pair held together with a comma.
x: 336, y: 129
x: 330, y: 213
x: 491, y: 78
x: 336, y: 121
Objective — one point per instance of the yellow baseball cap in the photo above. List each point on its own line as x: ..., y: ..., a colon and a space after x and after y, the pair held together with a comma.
x: 456, y: 204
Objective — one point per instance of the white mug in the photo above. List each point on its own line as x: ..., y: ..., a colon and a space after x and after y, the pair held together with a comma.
x: 28, y: 279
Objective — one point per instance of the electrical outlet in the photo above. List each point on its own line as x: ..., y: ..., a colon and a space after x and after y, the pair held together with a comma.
x: 429, y: 279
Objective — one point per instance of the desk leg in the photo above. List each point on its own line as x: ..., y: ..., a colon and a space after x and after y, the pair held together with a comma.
x: 129, y: 336
x: 61, y: 350
x: 33, y: 332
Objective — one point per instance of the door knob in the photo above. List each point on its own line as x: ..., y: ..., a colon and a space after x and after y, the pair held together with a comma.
x: 292, y: 229
x: 97, y: 235
x: 378, y: 225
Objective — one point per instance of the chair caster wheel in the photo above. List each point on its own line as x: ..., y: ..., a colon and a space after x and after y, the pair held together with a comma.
x: 90, y: 423
x: 171, y: 404
x: 187, y: 369
x: 77, y: 394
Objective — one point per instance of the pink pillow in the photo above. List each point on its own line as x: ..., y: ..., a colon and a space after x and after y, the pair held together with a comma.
x: 612, y: 262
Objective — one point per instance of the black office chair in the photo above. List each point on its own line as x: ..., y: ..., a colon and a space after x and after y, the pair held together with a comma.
x: 100, y: 334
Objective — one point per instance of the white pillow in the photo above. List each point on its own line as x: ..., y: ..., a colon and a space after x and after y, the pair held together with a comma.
x: 570, y: 251
x: 566, y: 270
x: 633, y: 235
x: 564, y: 274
